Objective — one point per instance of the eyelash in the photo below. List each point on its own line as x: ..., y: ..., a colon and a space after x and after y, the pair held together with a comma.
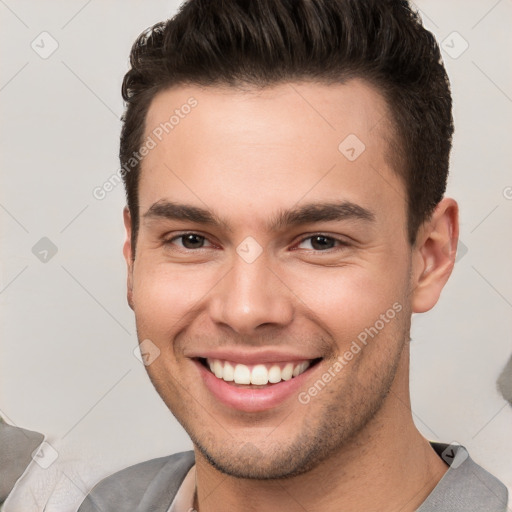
x: 342, y: 243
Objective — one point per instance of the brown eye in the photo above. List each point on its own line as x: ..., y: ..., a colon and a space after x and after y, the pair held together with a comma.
x: 322, y: 242
x: 192, y: 241
x: 188, y: 241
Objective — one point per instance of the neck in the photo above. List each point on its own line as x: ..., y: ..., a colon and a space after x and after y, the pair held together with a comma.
x: 387, y: 466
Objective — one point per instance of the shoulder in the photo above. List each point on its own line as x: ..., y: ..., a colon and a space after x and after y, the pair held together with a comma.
x: 466, y: 485
x: 154, y: 482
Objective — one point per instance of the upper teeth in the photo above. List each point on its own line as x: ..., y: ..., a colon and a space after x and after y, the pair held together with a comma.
x: 259, y: 374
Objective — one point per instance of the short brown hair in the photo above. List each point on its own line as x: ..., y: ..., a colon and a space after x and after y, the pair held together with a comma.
x: 266, y: 42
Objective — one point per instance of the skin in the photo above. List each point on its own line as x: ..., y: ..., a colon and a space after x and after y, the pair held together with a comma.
x: 246, y: 156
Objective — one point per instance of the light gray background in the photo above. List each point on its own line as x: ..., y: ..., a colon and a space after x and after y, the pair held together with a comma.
x: 67, y: 335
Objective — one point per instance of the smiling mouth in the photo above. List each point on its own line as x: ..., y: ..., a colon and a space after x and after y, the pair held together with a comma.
x: 256, y: 375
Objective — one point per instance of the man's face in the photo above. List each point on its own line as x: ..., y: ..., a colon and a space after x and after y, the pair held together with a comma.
x: 257, y: 286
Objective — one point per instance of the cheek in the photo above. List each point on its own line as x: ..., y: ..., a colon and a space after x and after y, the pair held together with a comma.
x: 350, y: 299
x: 163, y: 294
x: 344, y: 300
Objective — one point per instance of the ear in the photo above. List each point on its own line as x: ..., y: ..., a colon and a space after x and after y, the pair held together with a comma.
x: 128, y: 254
x: 434, y: 255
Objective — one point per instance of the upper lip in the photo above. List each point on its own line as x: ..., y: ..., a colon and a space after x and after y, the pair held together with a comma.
x: 267, y: 355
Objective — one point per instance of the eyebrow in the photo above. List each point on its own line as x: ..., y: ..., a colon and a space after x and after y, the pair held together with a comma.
x: 306, y: 214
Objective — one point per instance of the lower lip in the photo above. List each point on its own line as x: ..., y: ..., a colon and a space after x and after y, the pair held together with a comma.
x: 251, y: 399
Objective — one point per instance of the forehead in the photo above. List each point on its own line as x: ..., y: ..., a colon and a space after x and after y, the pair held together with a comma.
x: 337, y: 108
x: 277, y: 146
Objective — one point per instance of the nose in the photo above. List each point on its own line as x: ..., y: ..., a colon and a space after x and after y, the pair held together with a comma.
x: 251, y: 297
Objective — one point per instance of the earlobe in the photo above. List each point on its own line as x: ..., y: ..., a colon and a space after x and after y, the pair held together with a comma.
x: 434, y: 255
x: 127, y: 253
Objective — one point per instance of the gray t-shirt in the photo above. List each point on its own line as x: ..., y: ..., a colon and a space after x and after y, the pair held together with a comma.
x: 16, y: 448
x: 152, y: 486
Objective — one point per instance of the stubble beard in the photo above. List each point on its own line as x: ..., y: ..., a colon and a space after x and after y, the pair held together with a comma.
x: 349, y: 410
